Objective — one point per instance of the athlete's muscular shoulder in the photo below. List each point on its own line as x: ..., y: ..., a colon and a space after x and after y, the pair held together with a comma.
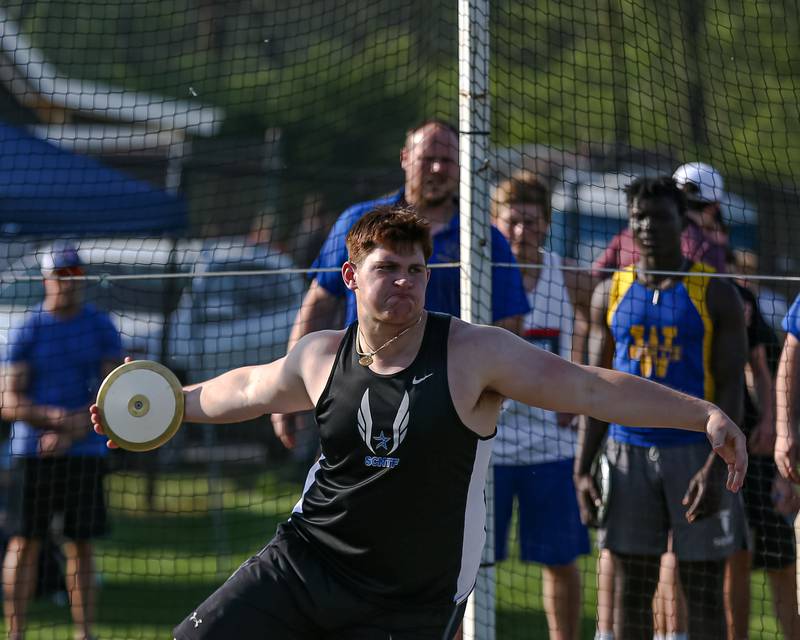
x: 487, y: 364
x: 469, y: 371
x: 312, y: 358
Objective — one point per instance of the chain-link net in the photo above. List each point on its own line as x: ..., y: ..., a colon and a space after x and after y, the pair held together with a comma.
x: 205, y: 161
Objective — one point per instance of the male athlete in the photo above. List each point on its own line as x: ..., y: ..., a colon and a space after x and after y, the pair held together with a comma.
x: 663, y: 319
x: 429, y: 159
x: 386, y: 539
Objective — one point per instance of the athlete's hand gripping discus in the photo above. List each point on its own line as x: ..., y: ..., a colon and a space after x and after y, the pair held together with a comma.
x: 141, y: 405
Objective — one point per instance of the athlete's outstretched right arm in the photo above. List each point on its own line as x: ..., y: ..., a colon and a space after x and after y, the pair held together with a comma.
x: 285, y: 385
x: 247, y: 393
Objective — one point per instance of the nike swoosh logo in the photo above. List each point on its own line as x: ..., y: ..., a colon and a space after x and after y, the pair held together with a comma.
x: 418, y: 380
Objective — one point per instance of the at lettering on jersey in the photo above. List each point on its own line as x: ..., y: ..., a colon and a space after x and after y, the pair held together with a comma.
x: 661, y: 352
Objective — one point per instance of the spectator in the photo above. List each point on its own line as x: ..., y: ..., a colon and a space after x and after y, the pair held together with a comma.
x: 773, y: 537
x: 772, y: 304
x: 704, y: 239
x: 686, y: 332
x: 787, y: 395
x: 55, y: 362
x: 429, y: 159
x: 534, y: 449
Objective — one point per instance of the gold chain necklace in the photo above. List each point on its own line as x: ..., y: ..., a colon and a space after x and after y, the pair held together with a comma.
x: 367, y: 357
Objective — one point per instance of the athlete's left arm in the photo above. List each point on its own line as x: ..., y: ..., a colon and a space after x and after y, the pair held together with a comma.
x: 728, y: 359
x: 509, y: 366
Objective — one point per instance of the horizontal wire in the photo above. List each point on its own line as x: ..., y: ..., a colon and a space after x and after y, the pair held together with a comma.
x: 441, y: 265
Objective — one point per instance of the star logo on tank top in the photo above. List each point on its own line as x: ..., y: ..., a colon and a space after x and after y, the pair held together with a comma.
x: 383, y: 441
x: 399, y: 430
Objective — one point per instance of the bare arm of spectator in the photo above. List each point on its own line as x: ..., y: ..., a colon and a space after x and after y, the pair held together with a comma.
x: 513, y: 323
x: 786, y: 397
x: 580, y: 285
x: 53, y: 442
x: 591, y: 431
x: 728, y: 359
x: 17, y: 405
x: 319, y: 311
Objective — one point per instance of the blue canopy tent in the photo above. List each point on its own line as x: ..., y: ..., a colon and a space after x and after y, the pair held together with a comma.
x: 45, y: 190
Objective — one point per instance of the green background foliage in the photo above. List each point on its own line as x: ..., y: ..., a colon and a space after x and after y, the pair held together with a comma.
x: 345, y: 79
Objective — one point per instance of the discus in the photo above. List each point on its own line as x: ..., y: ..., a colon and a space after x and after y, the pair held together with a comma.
x: 140, y: 405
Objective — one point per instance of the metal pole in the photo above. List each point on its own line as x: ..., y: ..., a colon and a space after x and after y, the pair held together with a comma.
x: 476, y: 248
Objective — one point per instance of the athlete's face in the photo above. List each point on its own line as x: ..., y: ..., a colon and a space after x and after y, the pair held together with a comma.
x: 525, y: 227
x: 430, y: 162
x: 389, y: 285
x: 656, y: 225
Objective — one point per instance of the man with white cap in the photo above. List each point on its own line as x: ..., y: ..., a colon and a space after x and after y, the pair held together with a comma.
x: 705, y: 191
x: 53, y: 365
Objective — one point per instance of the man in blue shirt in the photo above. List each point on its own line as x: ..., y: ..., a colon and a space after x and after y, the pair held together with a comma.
x: 54, y: 364
x: 429, y: 160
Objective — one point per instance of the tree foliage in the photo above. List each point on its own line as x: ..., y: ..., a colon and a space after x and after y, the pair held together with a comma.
x: 344, y: 78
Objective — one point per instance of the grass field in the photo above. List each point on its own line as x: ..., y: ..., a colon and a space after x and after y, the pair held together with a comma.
x: 159, y: 563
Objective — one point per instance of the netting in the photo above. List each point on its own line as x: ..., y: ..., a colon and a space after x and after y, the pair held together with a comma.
x: 206, y: 160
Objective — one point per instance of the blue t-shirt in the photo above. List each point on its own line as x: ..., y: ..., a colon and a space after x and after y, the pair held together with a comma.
x: 508, y: 294
x: 791, y: 323
x: 65, y: 359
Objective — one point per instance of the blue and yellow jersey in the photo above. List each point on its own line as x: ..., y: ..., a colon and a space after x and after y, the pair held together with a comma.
x: 665, y: 336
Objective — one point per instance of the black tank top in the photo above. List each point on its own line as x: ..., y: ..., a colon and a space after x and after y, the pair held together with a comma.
x: 395, y: 504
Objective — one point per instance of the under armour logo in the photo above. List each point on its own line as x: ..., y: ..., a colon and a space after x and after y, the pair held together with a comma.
x: 197, y: 621
x: 422, y: 379
x: 399, y: 426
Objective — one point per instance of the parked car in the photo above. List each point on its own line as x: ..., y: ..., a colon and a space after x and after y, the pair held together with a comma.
x: 227, y: 321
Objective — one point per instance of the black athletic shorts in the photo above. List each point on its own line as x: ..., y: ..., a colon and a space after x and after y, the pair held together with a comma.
x: 43, y: 487
x: 773, y: 536
x: 286, y: 593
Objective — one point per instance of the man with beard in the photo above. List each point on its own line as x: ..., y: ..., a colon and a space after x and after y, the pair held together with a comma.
x: 429, y: 160
x: 664, y: 319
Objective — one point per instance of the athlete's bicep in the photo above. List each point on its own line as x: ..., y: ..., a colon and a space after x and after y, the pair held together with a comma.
x: 518, y: 370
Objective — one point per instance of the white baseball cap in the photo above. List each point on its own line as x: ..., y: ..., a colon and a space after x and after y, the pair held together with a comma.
x: 62, y: 255
x: 700, y: 182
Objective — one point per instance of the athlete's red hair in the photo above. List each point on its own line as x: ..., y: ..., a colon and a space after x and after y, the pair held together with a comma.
x: 397, y: 228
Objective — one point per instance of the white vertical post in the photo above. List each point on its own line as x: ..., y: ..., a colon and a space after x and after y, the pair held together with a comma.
x: 476, y: 249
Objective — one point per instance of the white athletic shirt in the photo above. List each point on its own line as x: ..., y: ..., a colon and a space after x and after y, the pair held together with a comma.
x: 529, y: 435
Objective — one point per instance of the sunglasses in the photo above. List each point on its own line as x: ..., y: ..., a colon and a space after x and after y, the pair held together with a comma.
x: 67, y: 272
